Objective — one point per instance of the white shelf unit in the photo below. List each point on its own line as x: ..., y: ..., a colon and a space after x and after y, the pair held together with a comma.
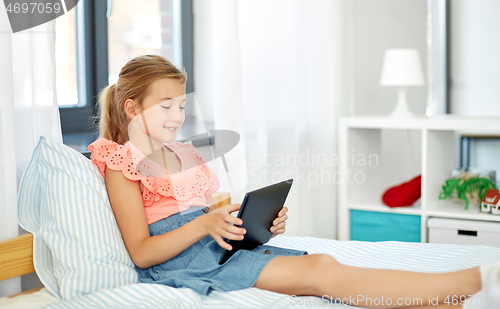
x: 437, y: 150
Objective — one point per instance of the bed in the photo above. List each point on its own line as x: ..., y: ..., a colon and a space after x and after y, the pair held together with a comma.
x: 75, y: 247
x: 423, y: 257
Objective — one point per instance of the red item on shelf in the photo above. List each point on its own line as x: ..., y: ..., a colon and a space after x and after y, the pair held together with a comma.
x: 404, y: 194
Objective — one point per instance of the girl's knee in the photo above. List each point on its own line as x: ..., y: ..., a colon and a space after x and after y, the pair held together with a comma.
x: 321, y: 268
x: 323, y: 262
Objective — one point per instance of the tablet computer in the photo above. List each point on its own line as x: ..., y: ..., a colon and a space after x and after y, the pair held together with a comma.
x: 258, y: 211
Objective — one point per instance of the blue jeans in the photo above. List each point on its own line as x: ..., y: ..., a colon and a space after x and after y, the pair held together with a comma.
x: 198, y: 267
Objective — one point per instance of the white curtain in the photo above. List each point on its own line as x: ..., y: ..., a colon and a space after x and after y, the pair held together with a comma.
x: 268, y: 69
x: 28, y: 109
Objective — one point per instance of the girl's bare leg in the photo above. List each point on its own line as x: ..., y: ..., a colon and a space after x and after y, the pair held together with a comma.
x: 440, y: 306
x: 321, y: 275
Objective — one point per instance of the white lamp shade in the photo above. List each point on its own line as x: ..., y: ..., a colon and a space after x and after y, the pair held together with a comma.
x: 402, y: 67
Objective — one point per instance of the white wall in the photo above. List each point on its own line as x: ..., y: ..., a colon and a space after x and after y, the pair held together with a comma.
x: 374, y: 27
x: 475, y: 60
x: 475, y: 71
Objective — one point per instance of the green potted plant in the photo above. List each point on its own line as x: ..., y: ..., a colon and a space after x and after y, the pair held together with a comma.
x: 467, y: 189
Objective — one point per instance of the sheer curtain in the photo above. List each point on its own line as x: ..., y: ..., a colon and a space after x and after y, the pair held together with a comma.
x: 269, y: 70
x: 28, y: 109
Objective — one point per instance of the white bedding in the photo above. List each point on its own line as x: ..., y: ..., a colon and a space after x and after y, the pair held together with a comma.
x: 422, y: 257
x: 33, y: 300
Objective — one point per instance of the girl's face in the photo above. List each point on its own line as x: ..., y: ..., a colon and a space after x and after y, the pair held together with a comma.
x: 163, y: 109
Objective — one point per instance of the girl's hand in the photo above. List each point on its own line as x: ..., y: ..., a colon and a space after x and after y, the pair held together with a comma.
x: 279, y: 223
x: 217, y: 223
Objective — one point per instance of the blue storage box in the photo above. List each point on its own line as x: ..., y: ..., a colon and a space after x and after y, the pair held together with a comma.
x: 379, y: 226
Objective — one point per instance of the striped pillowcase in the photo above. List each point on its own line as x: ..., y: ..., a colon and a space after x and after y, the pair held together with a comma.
x: 77, y: 246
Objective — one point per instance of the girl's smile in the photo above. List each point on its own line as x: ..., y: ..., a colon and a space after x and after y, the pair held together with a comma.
x: 161, y: 115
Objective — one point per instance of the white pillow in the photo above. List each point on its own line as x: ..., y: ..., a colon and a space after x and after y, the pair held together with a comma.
x: 63, y: 202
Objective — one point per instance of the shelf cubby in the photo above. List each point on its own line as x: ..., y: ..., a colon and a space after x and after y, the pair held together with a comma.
x: 431, y: 150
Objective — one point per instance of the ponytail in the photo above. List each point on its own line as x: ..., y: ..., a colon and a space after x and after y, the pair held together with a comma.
x: 112, y: 116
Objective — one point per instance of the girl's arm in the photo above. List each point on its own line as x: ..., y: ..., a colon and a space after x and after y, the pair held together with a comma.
x: 146, y: 250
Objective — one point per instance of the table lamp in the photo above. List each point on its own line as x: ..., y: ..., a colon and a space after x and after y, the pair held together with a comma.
x: 402, y: 68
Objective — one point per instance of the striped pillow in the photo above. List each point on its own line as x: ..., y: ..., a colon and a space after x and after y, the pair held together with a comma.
x: 77, y: 246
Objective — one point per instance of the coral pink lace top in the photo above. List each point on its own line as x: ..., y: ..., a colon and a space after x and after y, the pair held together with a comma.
x: 162, y: 196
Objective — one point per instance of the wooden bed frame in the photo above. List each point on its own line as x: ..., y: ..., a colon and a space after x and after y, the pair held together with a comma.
x: 16, y: 254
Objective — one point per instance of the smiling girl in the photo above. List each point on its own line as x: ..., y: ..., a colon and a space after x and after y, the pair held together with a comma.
x: 160, y: 192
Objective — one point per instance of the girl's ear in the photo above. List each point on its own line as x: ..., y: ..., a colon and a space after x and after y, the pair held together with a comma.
x: 130, y: 109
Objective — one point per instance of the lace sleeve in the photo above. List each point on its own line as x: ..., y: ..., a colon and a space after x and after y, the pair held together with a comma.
x: 114, y: 156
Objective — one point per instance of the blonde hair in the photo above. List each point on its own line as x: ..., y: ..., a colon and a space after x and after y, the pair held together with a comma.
x: 134, y: 81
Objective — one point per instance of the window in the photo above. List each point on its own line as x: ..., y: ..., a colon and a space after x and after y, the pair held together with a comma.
x: 66, y: 55
x: 91, y: 48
